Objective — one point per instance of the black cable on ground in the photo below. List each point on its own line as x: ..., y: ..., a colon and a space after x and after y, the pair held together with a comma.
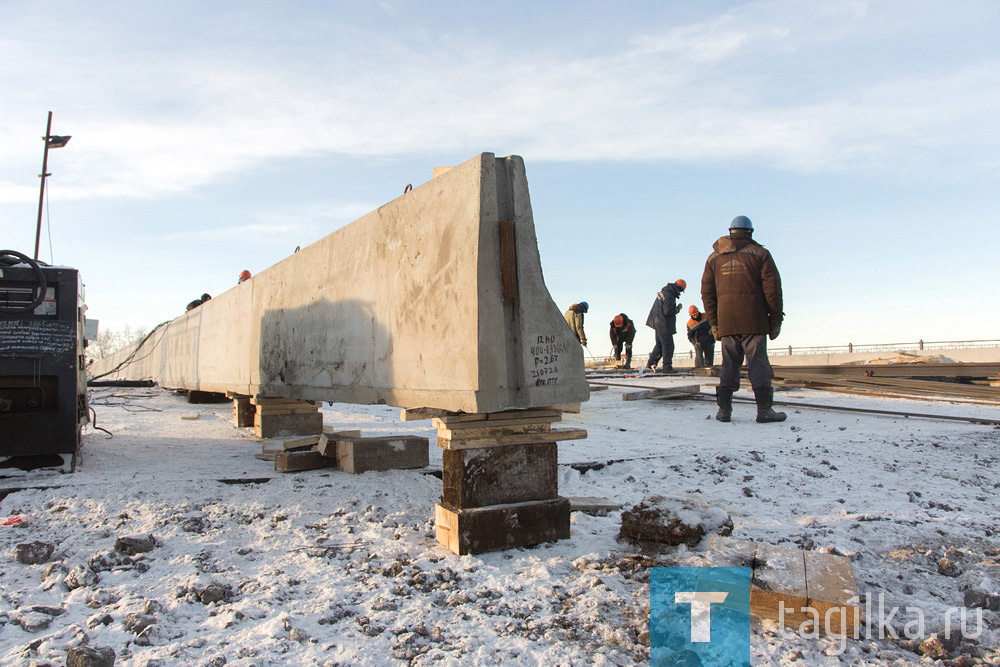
x: 93, y: 424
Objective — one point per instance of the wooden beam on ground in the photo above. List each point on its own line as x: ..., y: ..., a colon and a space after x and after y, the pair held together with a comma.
x: 799, y: 580
x: 662, y: 392
x: 295, y: 461
x: 596, y: 506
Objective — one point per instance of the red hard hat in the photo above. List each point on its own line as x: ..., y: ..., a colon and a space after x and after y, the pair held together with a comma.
x: 680, y: 282
x: 619, y: 320
x: 244, y: 274
x: 693, y: 310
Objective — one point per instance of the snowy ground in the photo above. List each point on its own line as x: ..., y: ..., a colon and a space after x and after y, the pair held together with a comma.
x: 327, y: 568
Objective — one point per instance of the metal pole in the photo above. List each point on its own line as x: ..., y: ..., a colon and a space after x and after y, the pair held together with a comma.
x: 41, y: 191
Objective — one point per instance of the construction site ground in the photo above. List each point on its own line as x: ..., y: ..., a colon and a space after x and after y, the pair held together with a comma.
x: 254, y: 567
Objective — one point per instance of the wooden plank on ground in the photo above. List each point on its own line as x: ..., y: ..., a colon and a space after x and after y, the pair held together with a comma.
x: 291, y: 442
x: 833, y: 592
x: 294, y: 461
x: 663, y: 392
x: 554, y: 435
x: 394, y: 452
x: 779, y: 577
x: 598, y: 387
x: 327, y: 443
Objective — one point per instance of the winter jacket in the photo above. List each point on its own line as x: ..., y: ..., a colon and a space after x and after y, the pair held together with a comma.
x: 741, y: 287
x: 663, y: 314
x: 700, y: 331
x: 626, y: 334
x: 574, y: 318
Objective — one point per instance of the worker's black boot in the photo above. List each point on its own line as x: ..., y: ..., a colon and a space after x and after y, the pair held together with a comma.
x: 724, y: 397
x: 765, y: 399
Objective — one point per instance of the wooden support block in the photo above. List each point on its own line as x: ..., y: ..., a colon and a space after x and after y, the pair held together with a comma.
x: 418, y: 414
x: 554, y: 435
x: 327, y: 444
x: 481, y: 529
x: 664, y: 392
x: 779, y: 576
x: 535, y: 414
x: 833, y: 592
x: 286, y: 410
x: 593, y: 505
x: 196, y: 396
x: 267, y: 400
x: 499, y: 475
x: 293, y: 461
x: 492, y: 431
x: 397, y: 452
x: 495, y: 423
x: 276, y: 426
x: 573, y: 408
x: 243, y: 412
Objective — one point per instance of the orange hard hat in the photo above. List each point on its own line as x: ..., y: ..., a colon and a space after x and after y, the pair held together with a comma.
x: 680, y: 282
x: 619, y: 320
x: 693, y: 310
x: 244, y: 274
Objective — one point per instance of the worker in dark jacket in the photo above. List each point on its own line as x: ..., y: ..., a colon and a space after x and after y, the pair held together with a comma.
x: 741, y: 291
x: 662, y: 320
x: 622, y: 334
x: 700, y: 335
x: 574, y: 318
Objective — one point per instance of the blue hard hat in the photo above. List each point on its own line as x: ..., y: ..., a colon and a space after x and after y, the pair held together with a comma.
x: 741, y: 222
x: 586, y: 306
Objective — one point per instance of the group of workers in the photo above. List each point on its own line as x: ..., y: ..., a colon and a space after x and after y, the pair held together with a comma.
x: 741, y: 294
x: 244, y: 275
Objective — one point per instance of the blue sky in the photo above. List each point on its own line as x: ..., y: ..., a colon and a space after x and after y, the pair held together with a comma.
x: 860, y: 137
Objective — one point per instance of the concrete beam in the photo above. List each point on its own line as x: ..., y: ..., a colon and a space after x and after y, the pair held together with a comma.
x: 421, y: 303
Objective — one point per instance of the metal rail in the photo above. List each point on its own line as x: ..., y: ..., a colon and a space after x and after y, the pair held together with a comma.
x: 834, y: 408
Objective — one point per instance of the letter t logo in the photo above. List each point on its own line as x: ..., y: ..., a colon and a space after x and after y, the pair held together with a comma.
x: 701, y: 611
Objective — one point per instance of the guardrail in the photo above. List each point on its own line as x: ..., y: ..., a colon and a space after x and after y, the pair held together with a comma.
x: 850, y: 348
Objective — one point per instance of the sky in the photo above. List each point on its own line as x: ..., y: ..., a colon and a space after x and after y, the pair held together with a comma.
x: 860, y: 137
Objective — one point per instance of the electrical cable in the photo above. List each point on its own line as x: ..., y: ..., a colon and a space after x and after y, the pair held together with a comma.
x: 130, y: 359
x: 7, y: 258
x: 93, y: 423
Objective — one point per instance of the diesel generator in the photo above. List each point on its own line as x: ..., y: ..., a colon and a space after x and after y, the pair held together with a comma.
x: 43, y: 386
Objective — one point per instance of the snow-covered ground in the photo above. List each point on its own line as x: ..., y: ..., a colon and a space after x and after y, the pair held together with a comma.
x: 326, y: 568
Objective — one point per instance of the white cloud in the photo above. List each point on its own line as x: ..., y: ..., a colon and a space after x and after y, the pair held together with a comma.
x: 741, y: 86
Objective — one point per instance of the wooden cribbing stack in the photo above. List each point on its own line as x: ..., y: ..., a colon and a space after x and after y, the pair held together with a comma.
x: 277, y: 417
x: 500, y: 478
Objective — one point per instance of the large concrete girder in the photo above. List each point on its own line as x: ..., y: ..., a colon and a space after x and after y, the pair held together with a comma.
x: 419, y: 303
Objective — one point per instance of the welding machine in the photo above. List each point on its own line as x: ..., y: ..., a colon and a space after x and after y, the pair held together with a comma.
x: 43, y: 386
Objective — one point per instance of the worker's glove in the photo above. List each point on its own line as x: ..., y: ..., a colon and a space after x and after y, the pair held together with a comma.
x: 775, y: 330
x: 583, y: 342
x: 715, y: 333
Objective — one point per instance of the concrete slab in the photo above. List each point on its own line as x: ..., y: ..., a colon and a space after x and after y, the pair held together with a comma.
x: 360, y: 315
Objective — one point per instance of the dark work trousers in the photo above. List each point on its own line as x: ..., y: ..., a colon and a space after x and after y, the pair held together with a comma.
x: 664, y: 348
x: 754, y: 348
x: 628, y: 351
x: 704, y: 355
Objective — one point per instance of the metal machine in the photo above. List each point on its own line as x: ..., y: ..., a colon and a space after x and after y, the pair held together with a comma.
x: 43, y: 387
